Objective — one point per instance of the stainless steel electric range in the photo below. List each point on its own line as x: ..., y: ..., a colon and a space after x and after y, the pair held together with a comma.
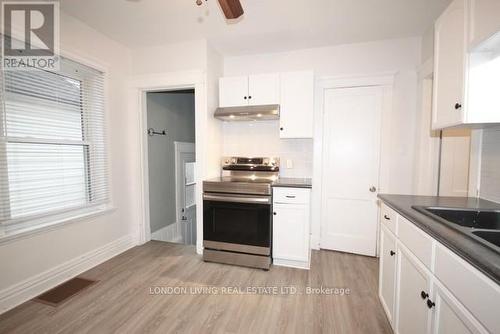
x: 237, y: 223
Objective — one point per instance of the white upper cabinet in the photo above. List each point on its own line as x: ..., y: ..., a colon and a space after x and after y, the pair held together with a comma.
x: 293, y: 91
x: 466, y: 70
x: 297, y: 104
x: 254, y: 90
x: 263, y: 89
x: 233, y: 91
x: 484, y: 20
x: 449, y: 66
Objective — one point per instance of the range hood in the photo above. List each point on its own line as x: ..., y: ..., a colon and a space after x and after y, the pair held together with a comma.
x: 249, y: 113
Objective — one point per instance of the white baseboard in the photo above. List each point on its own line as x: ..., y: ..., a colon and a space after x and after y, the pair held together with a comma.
x: 38, y: 284
x: 291, y: 263
x: 169, y: 233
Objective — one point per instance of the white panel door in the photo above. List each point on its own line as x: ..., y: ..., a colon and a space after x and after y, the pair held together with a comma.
x: 449, y: 66
x: 264, y: 89
x: 291, y: 232
x: 185, y: 190
x: 351, y: 154
x: 413, y: 281
x: 233, y: 92
x: 387, y: 271
x: 297, y: 104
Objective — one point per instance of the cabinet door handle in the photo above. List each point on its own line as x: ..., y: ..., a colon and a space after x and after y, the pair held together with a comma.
x: 250, y: 97
x: 281, y: 129
x: 245, y: 97
x: 288, y: 196
x: 458, y: 106
x: 274, y: 213
x: 430, y: 303
x: 424, y: 295
x: 392, y: 253
x: 386, y: 217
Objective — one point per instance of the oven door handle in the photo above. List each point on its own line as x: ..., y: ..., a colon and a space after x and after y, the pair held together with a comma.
x: 237, y: 199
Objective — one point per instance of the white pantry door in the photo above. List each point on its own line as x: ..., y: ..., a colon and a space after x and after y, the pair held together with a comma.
x: 351, y: 155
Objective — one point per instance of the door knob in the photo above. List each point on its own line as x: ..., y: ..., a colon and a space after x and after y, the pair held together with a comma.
x: 392, y: 253
x: 373, y: 189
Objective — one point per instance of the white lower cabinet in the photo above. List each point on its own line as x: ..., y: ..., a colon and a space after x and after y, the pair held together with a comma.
x: 450, y: 316
x: 414, y: 285
x: 291, y: 231
x: 387, y: 274
x: 447, y: 297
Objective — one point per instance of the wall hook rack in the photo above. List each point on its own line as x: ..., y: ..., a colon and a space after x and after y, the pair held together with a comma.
x: 153, y: 132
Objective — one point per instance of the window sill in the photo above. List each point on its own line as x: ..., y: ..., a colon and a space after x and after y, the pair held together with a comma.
x: 50, y: 225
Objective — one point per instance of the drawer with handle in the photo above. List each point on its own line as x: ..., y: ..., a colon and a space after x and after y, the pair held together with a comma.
x: 388, y: 217
x: 291, y: 195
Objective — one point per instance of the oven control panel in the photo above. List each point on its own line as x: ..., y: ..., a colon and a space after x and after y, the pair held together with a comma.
x: 255, y: 162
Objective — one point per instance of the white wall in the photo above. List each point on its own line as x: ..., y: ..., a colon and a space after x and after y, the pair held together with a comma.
x: 400, y: 56
x: 254, y: 139
x: 490, y: 165
x: 213, y: 139
x: 190, y: 55
x: 428, y: 44
x: 23, y: 259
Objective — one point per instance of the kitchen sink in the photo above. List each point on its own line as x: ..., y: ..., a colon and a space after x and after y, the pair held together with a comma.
x: 490, y: 236
x: 481, y: 225
x: 473, y: 218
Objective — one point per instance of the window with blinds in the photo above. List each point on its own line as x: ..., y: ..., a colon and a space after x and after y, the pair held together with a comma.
x: 53, y: 157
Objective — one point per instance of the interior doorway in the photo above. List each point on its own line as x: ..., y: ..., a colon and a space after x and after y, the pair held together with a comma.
x: 171, y: 165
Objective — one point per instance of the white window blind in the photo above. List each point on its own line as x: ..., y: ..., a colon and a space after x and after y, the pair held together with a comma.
x: 52, y: 142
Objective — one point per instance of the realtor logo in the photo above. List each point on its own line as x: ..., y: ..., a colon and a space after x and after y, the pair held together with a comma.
x: 30, y: 35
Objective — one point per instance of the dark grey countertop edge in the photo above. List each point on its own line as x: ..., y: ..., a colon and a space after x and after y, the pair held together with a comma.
x: 449, y: 237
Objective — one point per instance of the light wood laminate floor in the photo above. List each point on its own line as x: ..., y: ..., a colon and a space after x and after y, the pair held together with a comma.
x: 122, y: 301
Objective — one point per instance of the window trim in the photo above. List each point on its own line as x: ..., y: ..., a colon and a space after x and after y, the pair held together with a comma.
x: 56, y: 220
x: 53, y: 222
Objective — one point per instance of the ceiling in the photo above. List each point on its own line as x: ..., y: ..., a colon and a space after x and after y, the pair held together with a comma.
x: 266, y: 26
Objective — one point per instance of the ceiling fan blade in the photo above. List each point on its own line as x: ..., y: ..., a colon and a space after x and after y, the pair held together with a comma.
x: 232, y: 8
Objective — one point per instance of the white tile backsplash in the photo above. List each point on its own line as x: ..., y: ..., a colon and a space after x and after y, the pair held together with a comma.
x: 490, y: 165
x: 257, y: 139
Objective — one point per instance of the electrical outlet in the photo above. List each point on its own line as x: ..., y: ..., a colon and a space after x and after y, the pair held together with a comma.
x: 289, y: 163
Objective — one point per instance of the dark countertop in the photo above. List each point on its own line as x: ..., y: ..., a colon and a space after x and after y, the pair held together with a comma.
x: 482, y: 257
x: 293, y: 182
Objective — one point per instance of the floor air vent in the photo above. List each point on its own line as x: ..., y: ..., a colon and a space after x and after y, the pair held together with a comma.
x: 65, y: 291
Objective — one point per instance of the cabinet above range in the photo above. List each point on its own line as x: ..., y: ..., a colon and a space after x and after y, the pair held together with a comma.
x: 287, y: 96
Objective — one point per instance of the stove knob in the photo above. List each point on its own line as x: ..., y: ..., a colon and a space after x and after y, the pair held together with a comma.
x: 227, y: 162
x: 233, y: 161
